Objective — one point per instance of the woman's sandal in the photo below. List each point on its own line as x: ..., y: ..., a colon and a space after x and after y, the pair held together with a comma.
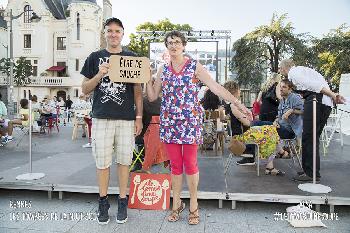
x: 274, y: 172
x: 193, y: 217
x: 283, y: 155
x: 175, y: 214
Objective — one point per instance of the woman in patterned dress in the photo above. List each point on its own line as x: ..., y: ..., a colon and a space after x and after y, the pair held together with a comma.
x: 181, y: 117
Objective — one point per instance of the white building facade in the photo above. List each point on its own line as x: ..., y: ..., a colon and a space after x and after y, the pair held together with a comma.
x: 57, y: 45
x: 3, y: 35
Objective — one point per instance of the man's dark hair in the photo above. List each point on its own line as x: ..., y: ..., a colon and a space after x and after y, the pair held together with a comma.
x: 113, y: 20
x: 288, y: 83
x: 173, y: 34
x: 23, y: 103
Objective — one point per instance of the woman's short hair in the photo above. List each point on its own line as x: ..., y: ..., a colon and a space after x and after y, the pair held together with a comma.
x: 34, y: 98
x: 231, y: 86
x: 274, y: 78
x: 23, y: 103
x: 173, y: 34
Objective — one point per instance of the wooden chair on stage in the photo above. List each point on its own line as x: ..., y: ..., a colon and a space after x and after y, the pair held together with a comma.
x: 78, y: 120
x: 214, y: 120
x: 256, y: 157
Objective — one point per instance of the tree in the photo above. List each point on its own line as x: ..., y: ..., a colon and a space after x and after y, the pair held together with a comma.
x: 334, y: 54
x: 141, y: 46
x: 262, y: 49
x: 22, y: 70
x: 5, y: 66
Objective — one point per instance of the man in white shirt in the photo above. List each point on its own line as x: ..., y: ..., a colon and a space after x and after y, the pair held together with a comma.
x: 310, y: 83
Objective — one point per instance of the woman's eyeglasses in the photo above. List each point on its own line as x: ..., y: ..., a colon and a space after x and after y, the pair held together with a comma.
x: 174, y: 43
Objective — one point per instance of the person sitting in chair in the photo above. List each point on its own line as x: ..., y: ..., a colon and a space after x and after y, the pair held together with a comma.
x: 23, y: 120
x: 289, y: 121
x: 81, y: 104
x: 265, y: 135
x: 3, y: 120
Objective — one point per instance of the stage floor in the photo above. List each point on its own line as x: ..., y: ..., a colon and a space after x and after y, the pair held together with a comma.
x: 70, y: 168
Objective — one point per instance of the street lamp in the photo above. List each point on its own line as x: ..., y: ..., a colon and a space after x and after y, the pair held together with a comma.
x: 34, y: 18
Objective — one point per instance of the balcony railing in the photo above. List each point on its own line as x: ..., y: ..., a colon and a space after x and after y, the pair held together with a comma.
x: 43, y: 81
x: 27, y: 51
x: 51, y: 81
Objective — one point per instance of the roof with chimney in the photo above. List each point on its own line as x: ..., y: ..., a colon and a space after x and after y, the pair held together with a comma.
x: 59, y: 7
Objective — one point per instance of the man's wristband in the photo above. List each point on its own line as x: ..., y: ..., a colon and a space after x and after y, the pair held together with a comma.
x: 138, y: 117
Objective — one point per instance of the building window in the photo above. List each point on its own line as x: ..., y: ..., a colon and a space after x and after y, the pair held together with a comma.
x: 35, y: 62
x: 78, y: 26
x: 61, y: 43
x: 63, y: 72
x: 76, y: 92
x: 24, y: 94
x: 76, y: 64
x: 28, y: 12
x: 35, y: 71
x: 27, y: 41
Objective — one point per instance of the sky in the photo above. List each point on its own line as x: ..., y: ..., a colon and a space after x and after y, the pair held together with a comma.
x: 317, y: 17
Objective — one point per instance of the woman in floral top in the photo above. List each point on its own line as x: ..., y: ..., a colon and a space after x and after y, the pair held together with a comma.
x: 181, y: 117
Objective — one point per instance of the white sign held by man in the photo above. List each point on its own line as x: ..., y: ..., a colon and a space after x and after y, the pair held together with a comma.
x: 128, y: 69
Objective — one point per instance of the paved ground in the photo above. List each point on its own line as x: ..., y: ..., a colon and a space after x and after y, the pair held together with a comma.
x: 248, y: 217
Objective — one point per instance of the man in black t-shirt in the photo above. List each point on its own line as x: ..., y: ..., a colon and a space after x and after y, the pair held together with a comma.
x: 68, y: 105
x: 115, y: 118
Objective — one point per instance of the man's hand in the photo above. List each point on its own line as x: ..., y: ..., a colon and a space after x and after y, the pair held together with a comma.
x: 287, y: 114
x: 103, y: 69
x: 339, y: 99
x: 138, y: 126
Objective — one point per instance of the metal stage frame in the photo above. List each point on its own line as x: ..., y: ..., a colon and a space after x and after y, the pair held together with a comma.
x: 200, y: 35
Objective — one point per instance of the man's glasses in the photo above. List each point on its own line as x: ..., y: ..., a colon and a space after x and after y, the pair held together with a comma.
x: 175, y: 43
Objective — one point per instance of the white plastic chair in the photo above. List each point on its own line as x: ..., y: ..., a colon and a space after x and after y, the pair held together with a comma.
x: 333, y: 126
x: 256, y: 158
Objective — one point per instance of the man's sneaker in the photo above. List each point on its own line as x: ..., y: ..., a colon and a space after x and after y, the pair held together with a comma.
x: 87, y: 145
x: 303, y: 178
x: 247, y: 155
x: 246, y: 162
x: 6, y: 139
x: 103, y: 207
x: 122, y: 215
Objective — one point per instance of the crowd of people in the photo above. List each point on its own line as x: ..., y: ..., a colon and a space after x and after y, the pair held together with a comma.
x: 48, y: 113
x: 118, y: 116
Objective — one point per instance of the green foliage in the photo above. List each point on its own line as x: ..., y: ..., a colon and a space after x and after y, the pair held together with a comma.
x: 22, y: 70
x: 334, y: 54
x: 141, y: 46
x: 263, y: 48
x: 5, y: 66
x: 250, y: 74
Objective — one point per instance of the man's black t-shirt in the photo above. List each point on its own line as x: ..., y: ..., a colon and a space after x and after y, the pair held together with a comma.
x: 110, y: 100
